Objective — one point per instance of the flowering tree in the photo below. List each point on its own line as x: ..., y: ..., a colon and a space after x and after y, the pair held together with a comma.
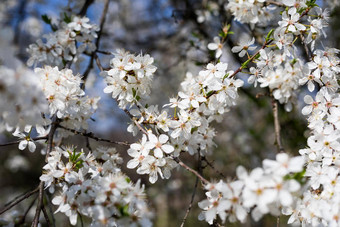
x: 44, y: 102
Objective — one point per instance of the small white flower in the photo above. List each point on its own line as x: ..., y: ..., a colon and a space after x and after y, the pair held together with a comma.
x: 217, y: 46
x: 159, y: 145
x: 244, y: 46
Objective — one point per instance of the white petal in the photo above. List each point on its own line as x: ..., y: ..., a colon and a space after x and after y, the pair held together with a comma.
x: 133, y: 163
x: 307, y: 110
x: 163, y: 138
x: 167, y: 148
x: 31, y: 146
x: 158, y: 153
x: 23, y: 144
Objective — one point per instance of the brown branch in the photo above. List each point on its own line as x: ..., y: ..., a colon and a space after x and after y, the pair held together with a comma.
x: 50, y: 208
x: 55, y: 124
x: 102, y: 22
x: 98, y: 62
x: 306, y: 49
x: 99, y: 34
x: 48, y: 222
x: 18, y: 141
x: 21, y: 17
x: 104, y: 52
x: 85, y: 7
x: 92, y: 136
x: 195, y: 189
x: 38, y: 209
x: 88, y: 145
x: 212, y: 167
x: 277, y: 126
x: 266, y: 43
x: 136, y: 122
x: 22, y: 219
x: 81, y: 219
x: 18, y: 200
x: 203, y: 180
x: 191, y: 202
x: 266, y: 3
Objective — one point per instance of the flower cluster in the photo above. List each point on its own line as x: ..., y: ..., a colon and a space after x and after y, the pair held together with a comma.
x: 274, y: 188
x: 129, y: 78
x: 264, y: 190
x: 202, y: 100
x: 281, y: 69
x: 323, y: 70
x: 94, y: 186
x: 305, y: 187
x: 73, y: 36
x: 150, y: 157
x: 65, y: 97
x: 280, y: 76
x: 250, y: 11
x: 22, y: 90
x: 320, y: 203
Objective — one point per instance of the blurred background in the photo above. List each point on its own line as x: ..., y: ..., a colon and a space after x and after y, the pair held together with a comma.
x: 175, y: 33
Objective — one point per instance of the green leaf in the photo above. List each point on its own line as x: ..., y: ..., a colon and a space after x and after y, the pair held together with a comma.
x: 124, y: 210
x: 270, y: 33
x: 244, y: 64
x: 222, y: 34
x: 199, y: 63
x: 67, y: 19
x: 209, y: 93
x: 300, y: 177
x: 225, y: 76
x: 128, y: 179
x: 311, y: 3
x: 134, y: 92
x: 292, y: 62
x: 194, y: 34
x: 46, y: 19
x: 79, y: 164
x: 194, y: 129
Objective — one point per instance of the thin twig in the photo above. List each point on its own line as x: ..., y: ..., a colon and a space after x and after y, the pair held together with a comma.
x: 194, y: 191
x: 85, y: 7
x: 266, y: 43
x: 99, y: 34
x: 48, y: 222
x: 18, y: 141
x: 191, y: 202
x: 277, y: 126
x: 22, y: 219
x: 212, y: 166
x: 18, y: 196
x: 98, y: 62
x: 307, y: 52
x: 18, y: 200
x: 55, y: 123
x: 38, y: 209
x: 203, y: 180
x: 274, y: 3
x: 104, y: 52
x: 21, y: 17
x: 81, y: 220
x: 50, y: 208
x: 136, y: 122
x: 90, y: 135
x: 102, y: 22
x: 88, y: 145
